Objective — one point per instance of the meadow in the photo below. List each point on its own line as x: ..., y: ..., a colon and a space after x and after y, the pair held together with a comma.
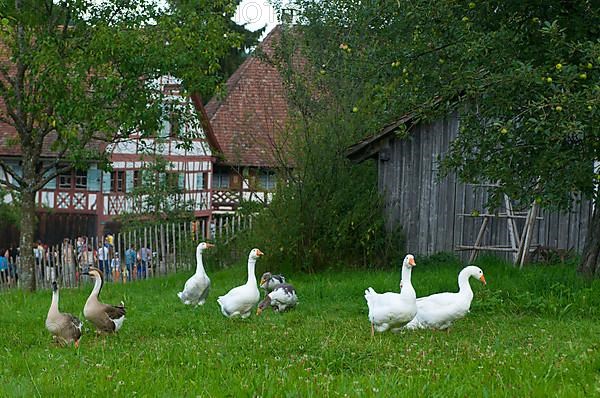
x: 530, y: 333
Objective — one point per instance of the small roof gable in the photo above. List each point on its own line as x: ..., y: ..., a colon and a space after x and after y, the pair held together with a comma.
x: 371, y: 145
x: 248, y: 120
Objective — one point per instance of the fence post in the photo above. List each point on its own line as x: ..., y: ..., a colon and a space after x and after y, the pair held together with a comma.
x: 174, y: 248
x: 162, y: 247
x: 148, y: 259
x: 167, y: 247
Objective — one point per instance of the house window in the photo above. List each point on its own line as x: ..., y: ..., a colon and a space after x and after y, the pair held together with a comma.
x: 220, y: 180
x: 173, y: 180
x: 201, y: 181
x: 137, y: 178
x: 174, y: 126
x: 117, y: 181
x: 267, y: 180
x: 64, y: 180
x: 80, y: 179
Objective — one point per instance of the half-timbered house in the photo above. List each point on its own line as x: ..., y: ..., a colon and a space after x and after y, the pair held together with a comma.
x: 87, y: 202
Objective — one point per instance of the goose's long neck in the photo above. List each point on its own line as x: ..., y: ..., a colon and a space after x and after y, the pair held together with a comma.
x: 251, y: 267
x: 407, y: 289
x: 97, y: 288
x: 406, y: 273
x: 199, y: 264
x: 54, y: 305
x: 464, y: 287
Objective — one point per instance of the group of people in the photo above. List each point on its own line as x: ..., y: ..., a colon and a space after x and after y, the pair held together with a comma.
x: 8, y: 265
x: 109, y: 261
x: 72, y: 260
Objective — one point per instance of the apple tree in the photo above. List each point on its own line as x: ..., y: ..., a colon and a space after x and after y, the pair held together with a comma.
x: 524, y: 77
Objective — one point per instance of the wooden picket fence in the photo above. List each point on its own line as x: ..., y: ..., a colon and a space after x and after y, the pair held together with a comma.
x: 159, y: 250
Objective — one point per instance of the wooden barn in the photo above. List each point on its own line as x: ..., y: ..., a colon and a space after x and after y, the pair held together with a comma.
x: 439, y: 215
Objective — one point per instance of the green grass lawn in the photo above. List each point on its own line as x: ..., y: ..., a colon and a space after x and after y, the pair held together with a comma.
x: 530, y: 333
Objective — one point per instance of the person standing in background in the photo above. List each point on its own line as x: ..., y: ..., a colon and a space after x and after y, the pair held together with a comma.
x: 143, y: 257
x: 68, y: 261
x: 38, y: 252
x: 87, y: 260
x: 4, y: 275
x: 115, y: 267
x: 103, y: 261
x: 130, y: 258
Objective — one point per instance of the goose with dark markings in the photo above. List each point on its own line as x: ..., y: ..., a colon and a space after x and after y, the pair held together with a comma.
x: 105, y: 317
x: 269, y: 281
x: 65, y: 328
x: 283, y: 297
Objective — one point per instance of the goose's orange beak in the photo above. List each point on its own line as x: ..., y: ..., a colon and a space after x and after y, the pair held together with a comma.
x: 209, y: 245
x: 411, y: 261
x: 482, y: 279
x: 259, y: 253
x: 258, y: 311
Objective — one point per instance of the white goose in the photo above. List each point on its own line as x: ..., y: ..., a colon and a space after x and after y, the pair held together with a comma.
x: 438, y: 311
x: 195, y: 291
x: 65, y: 328
x: 392, y: 310
x: 241, y: 299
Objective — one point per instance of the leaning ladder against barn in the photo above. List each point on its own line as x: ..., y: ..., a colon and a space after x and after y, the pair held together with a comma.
x: 520, y: 242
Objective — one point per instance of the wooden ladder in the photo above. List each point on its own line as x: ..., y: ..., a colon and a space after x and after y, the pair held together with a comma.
x: 520, y: 242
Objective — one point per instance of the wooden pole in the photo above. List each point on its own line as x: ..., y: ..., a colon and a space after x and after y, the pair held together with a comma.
x: 146, y: 253
x: 512, y: 229
x: 163, y: 247
x: 174, y: 247
x: 484, y: 224
x: 156, y: 242
x: 528, y: 234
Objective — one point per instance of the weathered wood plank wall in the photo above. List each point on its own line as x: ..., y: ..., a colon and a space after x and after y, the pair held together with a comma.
x: 426, y: 207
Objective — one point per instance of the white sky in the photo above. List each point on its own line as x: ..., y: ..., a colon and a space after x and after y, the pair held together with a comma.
x: 257, y: 13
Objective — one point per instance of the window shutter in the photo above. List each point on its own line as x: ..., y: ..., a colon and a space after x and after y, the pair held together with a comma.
x: 165, y: 129
x: 224, y: 180
x: 93, y: 179
x: 128, y: 180
x: 52, y: 183
x: 106, y: 182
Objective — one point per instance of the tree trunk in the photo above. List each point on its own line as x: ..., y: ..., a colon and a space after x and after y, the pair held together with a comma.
x: 589, y: 266
x: 28, y: 222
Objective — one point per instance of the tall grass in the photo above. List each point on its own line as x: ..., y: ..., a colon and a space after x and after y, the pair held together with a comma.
x: 529, y: 333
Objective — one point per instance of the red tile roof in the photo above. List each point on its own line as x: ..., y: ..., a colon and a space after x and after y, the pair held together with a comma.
x: 248, y: 121
x: 8, y: 134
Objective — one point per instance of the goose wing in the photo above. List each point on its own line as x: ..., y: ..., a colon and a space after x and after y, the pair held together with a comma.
x: 111, y: 318
x: 73, y: 327
x: 284, y: 294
